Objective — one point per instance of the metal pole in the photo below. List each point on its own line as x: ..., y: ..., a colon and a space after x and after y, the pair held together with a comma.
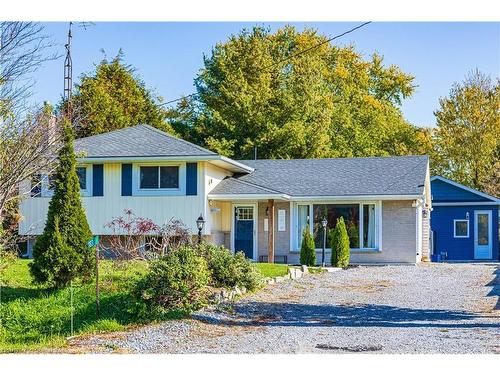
x: 97, y: 302
x: 72, y: 310
x: 324, y: 246
x: 199, y: 236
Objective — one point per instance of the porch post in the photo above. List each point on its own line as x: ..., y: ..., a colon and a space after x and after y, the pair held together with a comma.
x: 270, y: 238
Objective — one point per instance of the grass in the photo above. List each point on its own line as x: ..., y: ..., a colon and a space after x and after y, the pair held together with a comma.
x: 33, y: 317
x: 272, y: 269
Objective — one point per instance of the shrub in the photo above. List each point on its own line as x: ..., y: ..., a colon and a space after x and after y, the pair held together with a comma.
x: 353, y: 234
x: 61, y: 253
x: 228, y: 270
x: 307, y: 249
x: 177, y: 281
x: 339, y: 243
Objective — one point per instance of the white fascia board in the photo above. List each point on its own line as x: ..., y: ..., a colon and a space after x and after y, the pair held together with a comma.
x: 466, y: 188
x: 466, y: 204
x: 356, y: 197
x: 119, y: 159
x: 239, y: 197
x: 236, y: 164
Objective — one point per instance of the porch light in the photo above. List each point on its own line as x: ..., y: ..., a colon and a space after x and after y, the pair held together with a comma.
x: 324, y: 223
x: 200, y: 223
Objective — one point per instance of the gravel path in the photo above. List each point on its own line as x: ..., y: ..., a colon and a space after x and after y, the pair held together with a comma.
x: 429, y: 308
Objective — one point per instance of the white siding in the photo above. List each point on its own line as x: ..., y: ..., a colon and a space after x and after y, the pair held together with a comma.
x: 101, y: 210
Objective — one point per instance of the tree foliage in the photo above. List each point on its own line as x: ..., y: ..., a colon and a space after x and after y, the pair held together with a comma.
x: 307, y: 249
x: 61, y: 253
x: 467, y: 139
x: 255, y: 91
x: 114, y: 97
x: 339, y: 243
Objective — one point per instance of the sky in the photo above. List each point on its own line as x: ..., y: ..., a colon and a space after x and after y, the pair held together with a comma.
x: 167, y: 56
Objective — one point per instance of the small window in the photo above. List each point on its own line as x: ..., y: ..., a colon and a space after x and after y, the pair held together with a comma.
x: 159, y: 177
x: 461, y: 228
x: 82, y: 177
x: 36, y: 185
x: 244, y: 213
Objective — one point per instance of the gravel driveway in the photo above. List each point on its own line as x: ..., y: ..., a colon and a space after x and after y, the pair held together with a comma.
x: 429, y: 308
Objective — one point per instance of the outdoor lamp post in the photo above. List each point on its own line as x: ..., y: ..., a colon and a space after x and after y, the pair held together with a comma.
x: 324, y: 222
x: 200, y: 223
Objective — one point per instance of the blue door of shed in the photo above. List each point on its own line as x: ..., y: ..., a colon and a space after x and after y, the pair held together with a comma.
x: 243, y: 230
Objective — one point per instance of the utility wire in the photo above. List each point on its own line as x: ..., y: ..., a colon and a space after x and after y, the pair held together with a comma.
x: 285, y: 59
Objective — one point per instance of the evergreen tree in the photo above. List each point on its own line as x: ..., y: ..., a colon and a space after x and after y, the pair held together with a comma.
x: 61, y: 253
x: 114, y: 97
x: 339, y: 243
x: 307, y: 249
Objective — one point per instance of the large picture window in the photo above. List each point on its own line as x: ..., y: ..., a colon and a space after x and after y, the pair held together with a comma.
x: 360, y: 220
x: 159, y: 177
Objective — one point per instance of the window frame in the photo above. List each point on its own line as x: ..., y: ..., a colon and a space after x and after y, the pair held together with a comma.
x: 378, y: 223
x: 455, y: 228
x: 136, y: 179
x: 87, y: 185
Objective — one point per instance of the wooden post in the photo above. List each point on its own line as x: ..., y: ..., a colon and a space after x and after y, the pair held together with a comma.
x: 270, y: 243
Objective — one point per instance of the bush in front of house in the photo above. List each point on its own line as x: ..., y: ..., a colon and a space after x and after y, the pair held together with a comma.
x: 62, y: 253
x: 307, y: 249
x: 229, y: 270
x: 339, y: 243
x: 178, y: 281
x: 353, y: 234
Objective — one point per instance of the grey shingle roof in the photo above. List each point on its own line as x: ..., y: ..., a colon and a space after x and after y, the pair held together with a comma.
x: 404, y: 175
x: 140, y: 141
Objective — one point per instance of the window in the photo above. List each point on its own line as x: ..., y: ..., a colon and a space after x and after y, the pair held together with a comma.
x: 159, y: 177
x: 303, y: 221
x: 36, y: 185
x: 461, y: 228
x: 332, y: 212
x: 369, y: 226
x: 360, y: 220
x: 82, y: 177
x: 244, y: 213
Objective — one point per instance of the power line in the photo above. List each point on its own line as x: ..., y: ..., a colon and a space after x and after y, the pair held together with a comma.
x: 285, y: 59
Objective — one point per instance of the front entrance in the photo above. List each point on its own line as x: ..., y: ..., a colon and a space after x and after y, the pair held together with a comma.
x: 244, y: 230
x: 482, y: 235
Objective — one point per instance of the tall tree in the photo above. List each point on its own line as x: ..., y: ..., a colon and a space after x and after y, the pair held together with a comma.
x: 114, y: 97
x: 260, y: 89
x: 62, y: 253
x: 467, y: 138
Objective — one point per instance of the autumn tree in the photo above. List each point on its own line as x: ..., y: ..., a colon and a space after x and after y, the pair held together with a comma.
x: 258, y: 89
x: 467, y: 138
x: 114, y: 97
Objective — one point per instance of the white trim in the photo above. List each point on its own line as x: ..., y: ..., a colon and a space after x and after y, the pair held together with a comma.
x: 452, y: 204
x: 455, y: 228
x: 255, y: 207
x: 490, y: 234
x: 252, y: 197
x: 350, y: 198
x: 117, y: 159
x: 471, y: 190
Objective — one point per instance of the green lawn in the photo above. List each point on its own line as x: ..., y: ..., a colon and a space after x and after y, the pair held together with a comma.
x: 272, y: 269
x: 33, y: 317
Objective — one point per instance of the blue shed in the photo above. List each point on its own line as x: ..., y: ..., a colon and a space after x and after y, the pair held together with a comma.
x: 464, y: 222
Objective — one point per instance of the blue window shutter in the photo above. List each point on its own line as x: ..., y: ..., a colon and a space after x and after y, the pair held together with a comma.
x: 191, y: 178
x: 97, y: 180
x: 126, y: 180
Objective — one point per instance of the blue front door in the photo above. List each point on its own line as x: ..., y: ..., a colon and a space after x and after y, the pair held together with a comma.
x: 243, y: 230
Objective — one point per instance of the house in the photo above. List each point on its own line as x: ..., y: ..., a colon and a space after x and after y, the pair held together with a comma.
x: 464, y: 222
x: 257, y: 206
